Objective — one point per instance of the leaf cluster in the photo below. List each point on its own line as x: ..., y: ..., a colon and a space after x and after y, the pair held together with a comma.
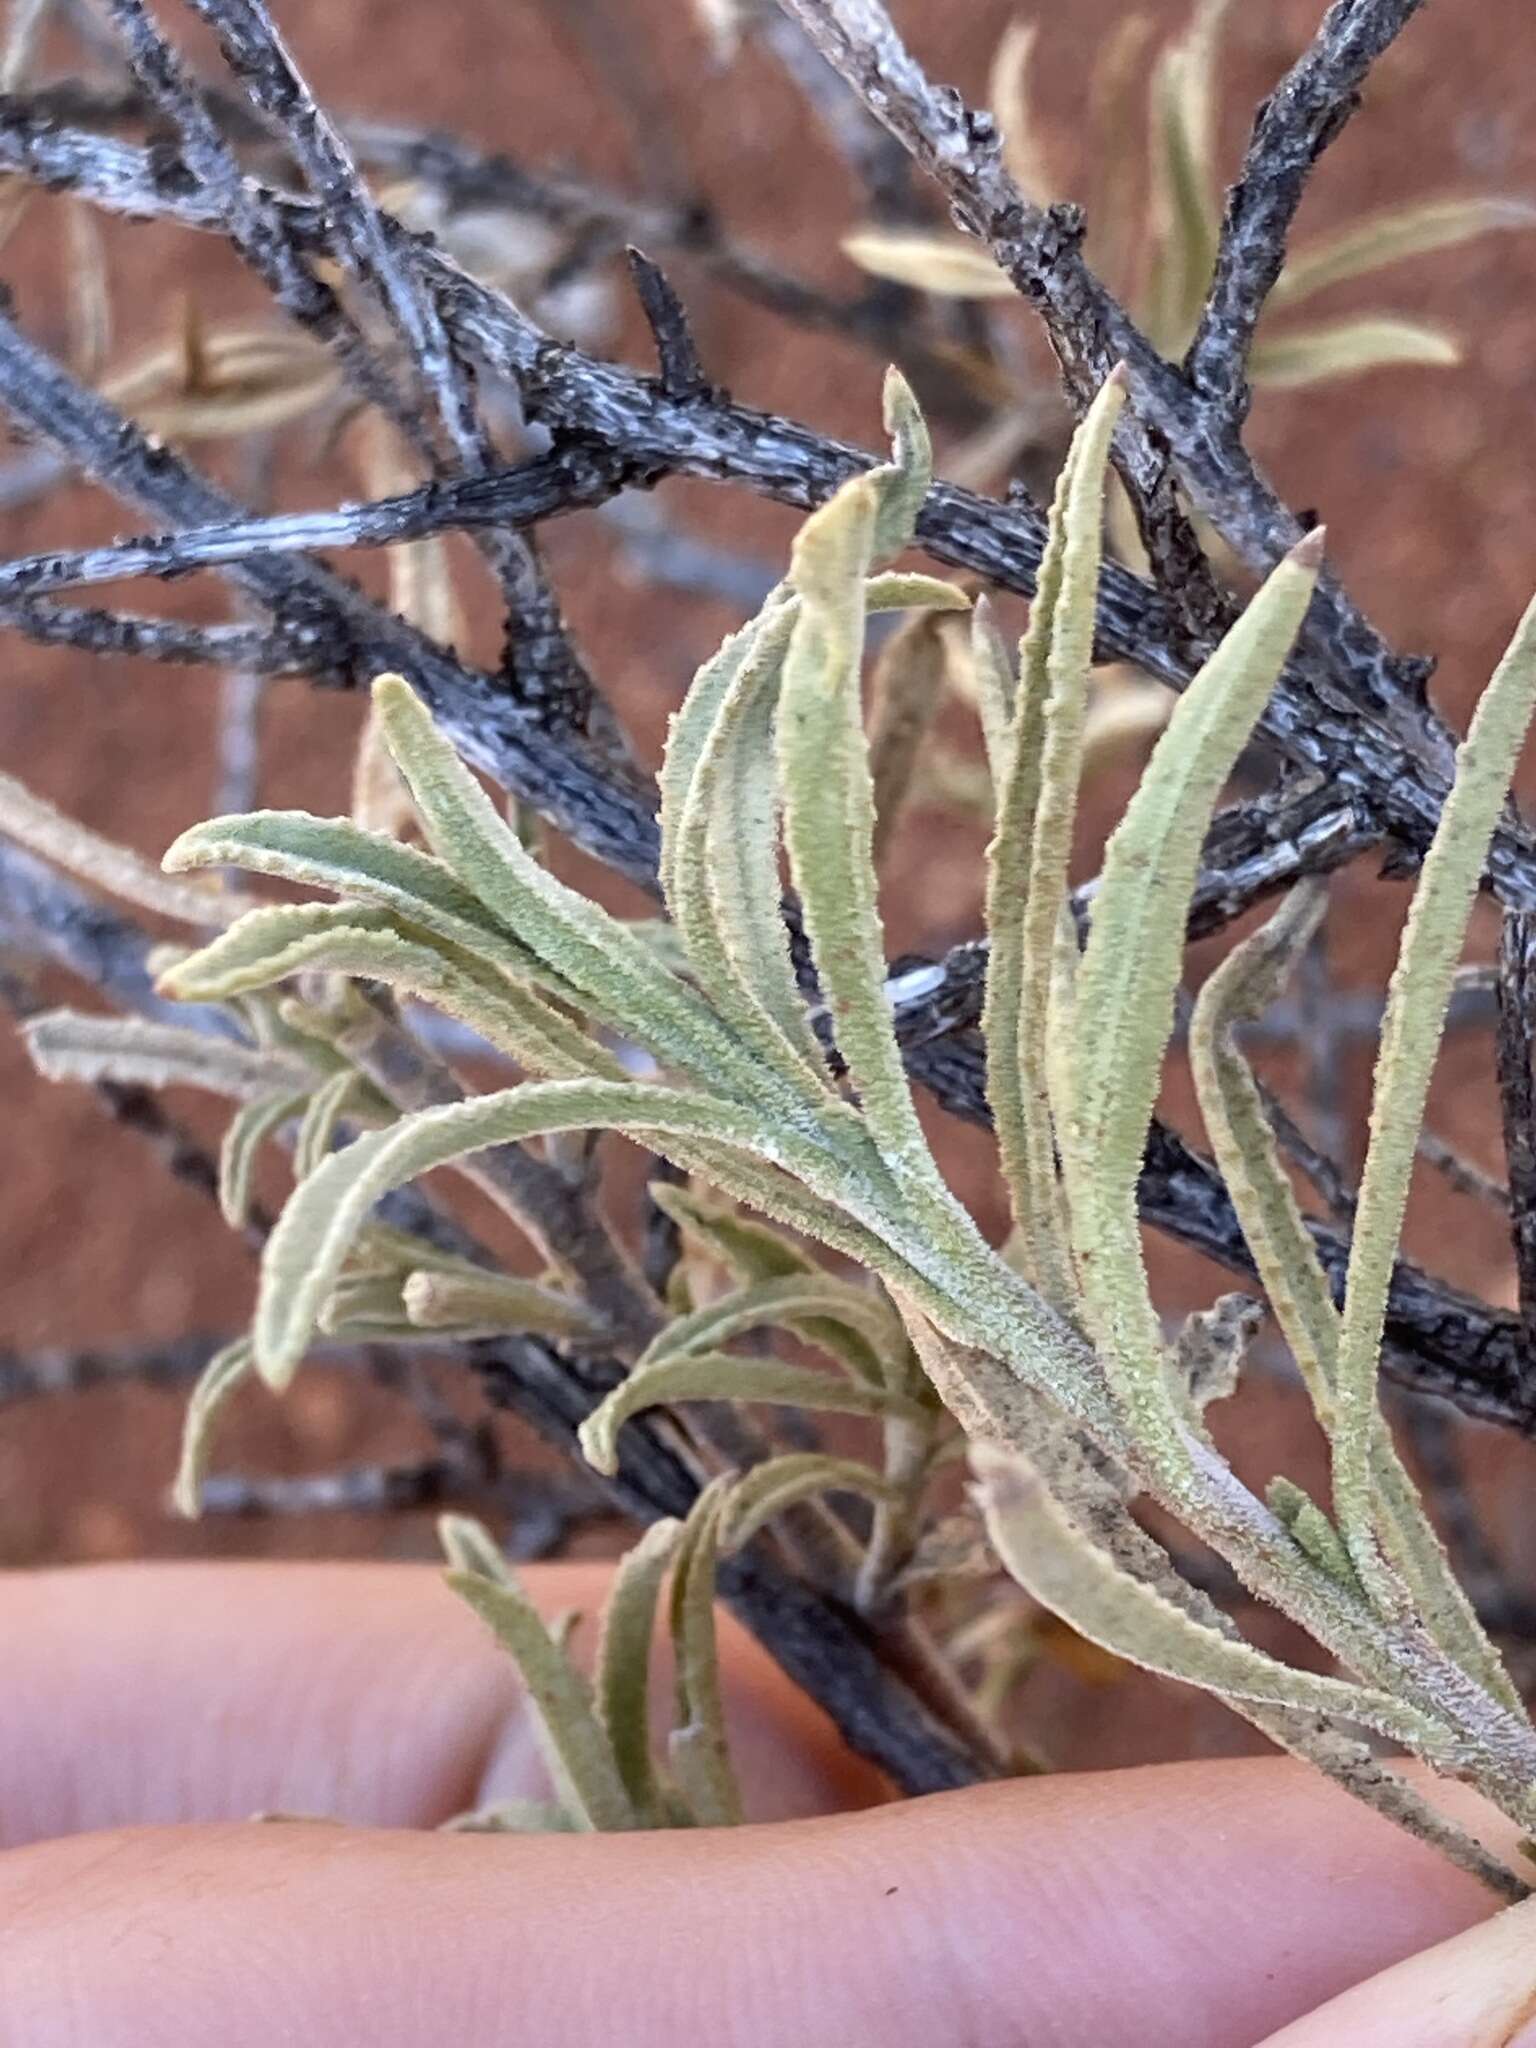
x: 1050, y: 1356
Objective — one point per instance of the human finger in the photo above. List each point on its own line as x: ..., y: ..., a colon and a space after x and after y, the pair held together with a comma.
x: 141, y: 1693
x: 1187, y: 1906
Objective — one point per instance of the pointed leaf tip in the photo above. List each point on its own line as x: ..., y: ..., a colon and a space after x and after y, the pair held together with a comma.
x: 898, y: 401
x: 1308, y: 551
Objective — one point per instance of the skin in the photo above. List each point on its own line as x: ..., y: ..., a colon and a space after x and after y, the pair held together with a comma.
x: 147, y: 1711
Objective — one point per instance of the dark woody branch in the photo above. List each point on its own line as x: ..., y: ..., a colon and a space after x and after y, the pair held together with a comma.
x: 251, y: 216
x: 535, y: 1513
x: 36, y: 1375
x: 1291, y: 130
x: 463, y: 177
x: 1343, y: 708
x: 1440, y: 1340
x: 1040, y: 250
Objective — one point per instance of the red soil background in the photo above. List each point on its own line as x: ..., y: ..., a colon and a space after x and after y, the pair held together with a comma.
x: 1426, y: 478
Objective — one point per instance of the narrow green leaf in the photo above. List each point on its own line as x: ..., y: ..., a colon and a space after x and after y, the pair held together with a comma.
x: 908, y: 692
x: 804, y: 1302
x: 949, y: 266
x: 690, y: 725
x: 270, y: 945
x: 1292, y: 1275
x: 996, y: 690
x: 1029, y: 856
x: 1130, y: 973
x: 1347, y: 348
x: 1008, y: 96
x: 1117, y: 189
x: 829, y: 815
x: 367, y: 1303
x: 215, y: 1383
x: 1392, y: 236
x: 1061, y: 1025
x: 244, y: 1135
x: 953, y: 1549
x: 960, y: 1282
x: 614, y: 971
x: 470, y: 1547
x: 254, y: 952
x: 989, y: 1399
x: 1417, y: 1000
x: 770, y: 1191
x: 698, y: 1748
x: 721, y: 1376
x: 1183, y: 178
x: 306, y: 1250
x: 335, y: 854
x: 1305, y: 1733
x: 781, y: 1483
x: 580, y: 1758
x: 326, y: 1107
x: 724, y: 880
x: 68, y: 1045
x: 903, y: 483
x: 381, y: 1249
x: 1237, y: 992
x: 38, y: 824
x: 749, y: 1250
x: 1311, y: 1528
x: 624, y: 1663
x: 901, y: 590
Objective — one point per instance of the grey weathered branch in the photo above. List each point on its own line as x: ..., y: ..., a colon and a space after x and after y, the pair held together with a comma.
x: 253, y: 220
x: 555, y: 773
x: 258, y: 650
x: 545, y: 671
x: 534, y: 1513
x: 35, y: 1375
